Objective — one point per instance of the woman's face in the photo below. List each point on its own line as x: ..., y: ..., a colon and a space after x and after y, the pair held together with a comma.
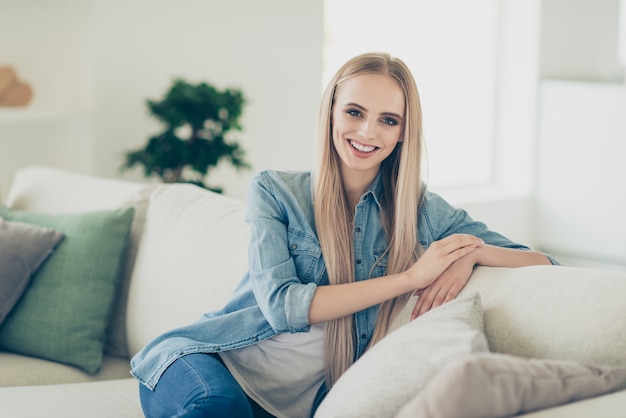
x: 367, y: 123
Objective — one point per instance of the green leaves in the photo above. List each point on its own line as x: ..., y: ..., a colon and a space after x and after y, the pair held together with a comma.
x: 197, y: 120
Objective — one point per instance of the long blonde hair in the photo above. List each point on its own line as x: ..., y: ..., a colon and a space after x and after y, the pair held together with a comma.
x: 401, y: 198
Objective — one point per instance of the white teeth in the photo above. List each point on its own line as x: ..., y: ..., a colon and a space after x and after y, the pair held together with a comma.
x: 362, y: 148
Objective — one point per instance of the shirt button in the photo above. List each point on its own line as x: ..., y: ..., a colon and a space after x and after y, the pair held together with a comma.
x: 294, y: 247
x: 364, y: 336
x: 357, y: 229
x: 358, y: 261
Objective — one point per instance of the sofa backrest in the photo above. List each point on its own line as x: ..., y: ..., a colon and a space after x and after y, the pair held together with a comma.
x: 192, y: 254
x: 187, y: 250
x: 191, y: 251
x: 55, y: 191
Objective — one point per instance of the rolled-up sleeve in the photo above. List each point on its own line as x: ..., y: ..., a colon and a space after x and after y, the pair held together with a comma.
x: 280, y: 294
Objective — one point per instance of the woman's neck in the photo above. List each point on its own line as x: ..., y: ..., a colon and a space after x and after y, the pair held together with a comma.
x: 355, y: 184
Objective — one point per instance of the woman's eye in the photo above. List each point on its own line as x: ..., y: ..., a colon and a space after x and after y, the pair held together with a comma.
x: 390, y: 121
x: 353, y: 112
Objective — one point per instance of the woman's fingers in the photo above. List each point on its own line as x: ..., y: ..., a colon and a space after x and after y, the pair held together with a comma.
x: 456, y: 246
x: 445, y: 288
x: 440, y: 255
x: 456, y: 242
x: 433, y: 296
x: 425, y: 301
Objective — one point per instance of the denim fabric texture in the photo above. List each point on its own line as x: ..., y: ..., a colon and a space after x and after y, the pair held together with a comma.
x: 286, y: 266
x: 198, y: 385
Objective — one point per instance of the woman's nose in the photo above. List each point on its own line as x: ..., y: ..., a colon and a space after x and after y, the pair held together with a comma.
x: 367, y: 130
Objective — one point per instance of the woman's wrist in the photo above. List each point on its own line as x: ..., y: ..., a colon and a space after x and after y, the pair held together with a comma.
x: 476, y: 255
x: 489, y: 255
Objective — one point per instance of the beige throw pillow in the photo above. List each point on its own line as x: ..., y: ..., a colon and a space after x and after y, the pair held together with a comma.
x: 491, y: 385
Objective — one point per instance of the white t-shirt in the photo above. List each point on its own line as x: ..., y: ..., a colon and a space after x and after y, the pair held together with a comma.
x: 283, y: 373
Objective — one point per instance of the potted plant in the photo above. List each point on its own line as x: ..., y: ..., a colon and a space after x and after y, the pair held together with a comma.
x: 197, y: 121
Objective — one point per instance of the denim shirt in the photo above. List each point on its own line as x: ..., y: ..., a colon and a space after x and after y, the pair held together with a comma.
x: 286, y: 266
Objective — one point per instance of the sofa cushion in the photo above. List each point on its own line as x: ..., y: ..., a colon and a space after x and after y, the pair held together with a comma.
x: 491, y: 385
x: 23, y: 248
x: 55, y: 191
x: 20, y: 370
x: 65, y: 312
x: 114, y: 398
x: 388, y: 375
x: 193, y: 253
x: 554, y: 312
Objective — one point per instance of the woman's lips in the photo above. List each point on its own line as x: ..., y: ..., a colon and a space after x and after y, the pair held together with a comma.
x: 362, y: 148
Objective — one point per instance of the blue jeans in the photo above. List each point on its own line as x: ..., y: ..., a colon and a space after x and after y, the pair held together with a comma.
x: 198, y: 385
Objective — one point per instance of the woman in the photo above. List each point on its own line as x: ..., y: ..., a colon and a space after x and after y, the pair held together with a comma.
x: 333, y: 256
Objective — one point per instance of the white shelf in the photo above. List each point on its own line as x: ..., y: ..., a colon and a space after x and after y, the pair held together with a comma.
x: 41, y: 114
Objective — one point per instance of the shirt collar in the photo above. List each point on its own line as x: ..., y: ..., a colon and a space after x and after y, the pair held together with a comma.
x: 375, y: 189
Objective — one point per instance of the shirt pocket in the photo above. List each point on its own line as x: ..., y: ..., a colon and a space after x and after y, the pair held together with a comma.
x: 379, y: 264
x: 306, y: 253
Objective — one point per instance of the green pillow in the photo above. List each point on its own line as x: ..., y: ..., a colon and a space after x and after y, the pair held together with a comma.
x: 64, y: 314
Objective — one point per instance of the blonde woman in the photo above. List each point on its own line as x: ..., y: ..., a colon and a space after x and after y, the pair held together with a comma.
x: 334, y: 254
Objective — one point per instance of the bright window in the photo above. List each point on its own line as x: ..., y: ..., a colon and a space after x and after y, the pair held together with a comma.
x: 451, y: 48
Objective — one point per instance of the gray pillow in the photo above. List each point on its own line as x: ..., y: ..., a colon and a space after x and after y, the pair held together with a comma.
x: 388, y: 375
x: 491, y: 385
x: 23, y: 249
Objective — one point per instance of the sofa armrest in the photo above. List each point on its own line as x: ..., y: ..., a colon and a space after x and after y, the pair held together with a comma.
x: 554, y: 312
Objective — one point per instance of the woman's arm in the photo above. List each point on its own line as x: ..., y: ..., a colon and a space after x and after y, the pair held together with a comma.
x: 336, y: 301
x: 489, y: 255
x: 439, y: 219
x: 447, y: 286
x: 291, y: 304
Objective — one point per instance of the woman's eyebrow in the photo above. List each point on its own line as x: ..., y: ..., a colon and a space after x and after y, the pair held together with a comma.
x: 352, y: 104
x: 392, y: 114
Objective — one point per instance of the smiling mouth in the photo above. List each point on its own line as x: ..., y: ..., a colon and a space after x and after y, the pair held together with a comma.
x: 361, y: 147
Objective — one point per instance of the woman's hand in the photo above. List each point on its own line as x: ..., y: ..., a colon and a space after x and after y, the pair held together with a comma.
x: 439, y: 256
x: 336, y: 301
x: 446, y: 287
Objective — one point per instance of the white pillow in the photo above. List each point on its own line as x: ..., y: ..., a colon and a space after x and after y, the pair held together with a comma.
x: 391, y: 373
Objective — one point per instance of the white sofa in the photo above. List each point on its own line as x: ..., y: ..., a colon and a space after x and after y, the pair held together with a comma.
x: 186, y: 253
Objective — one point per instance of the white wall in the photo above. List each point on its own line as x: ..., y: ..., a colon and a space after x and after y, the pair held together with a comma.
x: 505, y: 203
x: 45, y: 43
x: 270, y: 49
x: 579, y: 40
x: 107, y: 57
x: 94, y: 63
x: 580, y: 191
